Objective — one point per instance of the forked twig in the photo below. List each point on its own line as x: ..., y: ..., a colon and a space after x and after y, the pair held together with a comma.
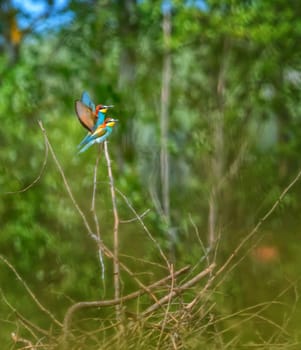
x: 179, y: 290
x: 144, y: 227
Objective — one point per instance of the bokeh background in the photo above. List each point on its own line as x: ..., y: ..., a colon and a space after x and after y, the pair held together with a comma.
x: 208, y: 97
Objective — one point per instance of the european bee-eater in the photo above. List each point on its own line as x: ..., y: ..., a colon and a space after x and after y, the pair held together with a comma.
x: 101, y: 133
x: 93, y: 119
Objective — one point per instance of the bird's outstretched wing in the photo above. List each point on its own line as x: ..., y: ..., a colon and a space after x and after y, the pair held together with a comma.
x: 87, y: 101
x: 85, y: 115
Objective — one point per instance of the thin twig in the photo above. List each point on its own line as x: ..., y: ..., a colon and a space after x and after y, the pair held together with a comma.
x: 166, y: 313
x: 17, y: 339
x: 144, y: 227
x: 136, y: 218
x: 115, y: 233
x: 37, y: 179
x: 93, y: 210
x: 29, y: 291
x: 205, y: 251
x: 140, y: 284
x: 260, y: 222
x: 144, y: 261
x: 57, y: 163
x: 180, y: 289
x: 22, y: 318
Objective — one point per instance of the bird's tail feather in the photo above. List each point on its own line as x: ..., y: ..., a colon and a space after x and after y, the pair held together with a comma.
x: 86, y: 146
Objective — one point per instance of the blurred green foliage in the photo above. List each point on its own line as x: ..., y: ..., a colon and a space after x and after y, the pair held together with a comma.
x: 234, y: 118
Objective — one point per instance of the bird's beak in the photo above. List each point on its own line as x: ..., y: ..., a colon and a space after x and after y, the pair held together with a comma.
x: 105, y: 108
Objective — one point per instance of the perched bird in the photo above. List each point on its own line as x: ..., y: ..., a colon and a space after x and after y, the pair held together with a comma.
x: 101, y: 133
x: 93, y: 119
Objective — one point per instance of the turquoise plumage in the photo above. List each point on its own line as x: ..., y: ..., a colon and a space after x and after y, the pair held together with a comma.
x: 100, y: 134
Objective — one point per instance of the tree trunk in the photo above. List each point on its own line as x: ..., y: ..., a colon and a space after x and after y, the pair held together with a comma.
x: 164, y: 121
x: 218, y: 159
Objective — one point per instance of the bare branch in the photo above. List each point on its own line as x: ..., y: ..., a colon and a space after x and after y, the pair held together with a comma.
x: 93, y: 210
x: 116, y: 226
x: 105, y: 303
